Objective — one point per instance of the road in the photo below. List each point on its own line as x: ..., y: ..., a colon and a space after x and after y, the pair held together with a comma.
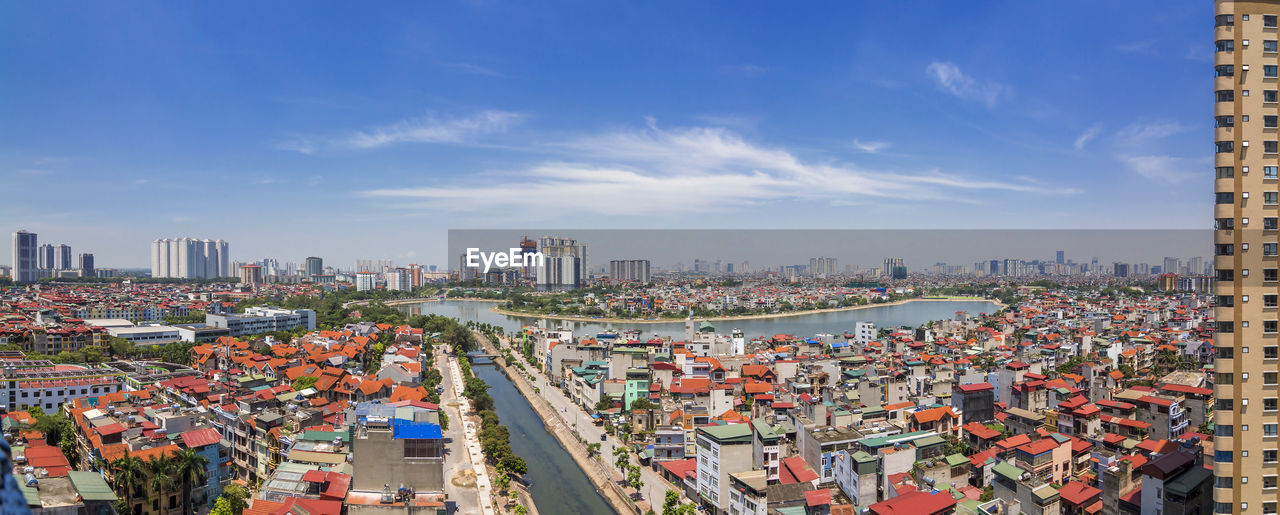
x: 456, y: 460
x: 655, y: 487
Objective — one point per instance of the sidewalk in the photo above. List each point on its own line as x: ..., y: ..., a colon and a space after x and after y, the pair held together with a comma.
x: 472, y: 435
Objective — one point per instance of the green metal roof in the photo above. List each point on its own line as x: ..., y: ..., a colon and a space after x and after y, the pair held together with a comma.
x: 325, y: 436
x: 92, y: 487
x: 1007, y: 470
x: 885, y: 441
x: 33, y: 496
x: 929, y: 440
x: 1187, y: 481
x: 731, y: 433
x: 956, y: 460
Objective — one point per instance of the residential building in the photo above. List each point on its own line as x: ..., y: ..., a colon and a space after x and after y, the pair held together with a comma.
x: 722, y: 450
x: 189, y: 258
x: 261, y: 319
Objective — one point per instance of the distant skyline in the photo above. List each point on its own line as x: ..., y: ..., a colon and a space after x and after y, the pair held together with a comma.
x: 367, y: 131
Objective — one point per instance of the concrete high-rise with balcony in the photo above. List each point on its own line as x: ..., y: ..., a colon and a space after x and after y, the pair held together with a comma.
x: 25, y: 266
x: 1246, y: 151
x: 188, y: 258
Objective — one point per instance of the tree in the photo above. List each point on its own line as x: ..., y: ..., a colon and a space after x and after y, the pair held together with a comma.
x: 633, y: 478
x: 304, y: 382
x: 642, y: 403
x: 190, y: 466
x: 593, y: 449
x: 127, y: 473
x: 671, y: 503
x: 69, y: 448
x: 236, y: 496
x: 162, y: 478
x: 620, y: 458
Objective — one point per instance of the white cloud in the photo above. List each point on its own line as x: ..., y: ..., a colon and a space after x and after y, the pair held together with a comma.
x: 950, y: 79
x: 695, y: 169
x: 1087, y: 136
x: 1159, y: 167
x: 428, y: 129
x: 871, y: 147
x: 435, y: 130
x: 1138, y: 134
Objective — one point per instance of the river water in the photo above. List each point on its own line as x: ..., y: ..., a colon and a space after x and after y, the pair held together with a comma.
x: 835, y: 322
x: 556, y: 483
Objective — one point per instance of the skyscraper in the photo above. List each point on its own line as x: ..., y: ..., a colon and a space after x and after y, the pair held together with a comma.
x: 188, y: 258
x: 314, y: 266
x: 47, y: 257
x: 1245, y: 445
x: 564, y: 266
x: 1060, y: 257
x: 25, y: 269
x: 86, y: 266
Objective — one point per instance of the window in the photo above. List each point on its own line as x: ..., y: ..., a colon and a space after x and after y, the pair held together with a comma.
x: 1224, y: 121
x: 1224, y: 197
x: 1224, y: 224
x: 1271, y: 172
x: 1224, y: 70
x: 1270, y: 71
x: 1269, y: 21
x: 1269, y: 249
x: 1269, y: 507
x: 1225, y: 172
x: 1225, y: 45
x: 1270, y: 96
x: 1269, y: 456
x: 1271, y: 147
x: 1224, y: 249
x: 1269, y: 45
x: 1224, y: 20
x: 1224, y: 95
x: 1270, y: 301
x: 1226, y: 275
x: 1224, y: 430
x: 1270, y: 274
x: 1268, y: 481
x: 1270, y: 198
x: 1225, y: 378
x: 1222, y: 456
x: 1270, y: 223
x: 1226, y: 327
x: 1269, y: 405
x: 1268, y: 429
x: 1269, y: 353
x: 1223, y: 482
x: 1269, y: 326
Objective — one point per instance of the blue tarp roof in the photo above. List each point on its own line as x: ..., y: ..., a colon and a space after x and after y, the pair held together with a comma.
x: 425, y: 430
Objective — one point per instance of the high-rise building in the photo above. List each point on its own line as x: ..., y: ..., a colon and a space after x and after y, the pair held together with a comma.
x: 564, y: 264
x: 1060, y: 257
x: 25, y: 266
x: 189, y: 258
x: 251, y: 274
x: 314, y: 266
x: 823, y: 267
x: 1172, y: 265
x: 1244, y: 419
x: 86, y: 265
x: 365, y: 281
x: 890, y: 265
x: 399, y: 279
x: 47, y: 257
x: 629, y: 270
x: 62, y: 257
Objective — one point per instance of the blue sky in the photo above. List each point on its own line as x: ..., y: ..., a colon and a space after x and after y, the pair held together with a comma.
x: 349, y: 130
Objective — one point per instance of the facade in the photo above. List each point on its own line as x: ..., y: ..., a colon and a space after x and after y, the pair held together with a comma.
x: 261, y: 319
x: 629, y: 270
x: 25, y: 258
x: 390, y: 451
x: 24, y: 384
x: 1242, y: 145
x: 314, y: 266
x: 189, y: 258
x: 86, y: 266
x: 722, y: 450
x: 399, y: 279
x: 366, y: 281
x: 565, y: 264
x: 251, y: 274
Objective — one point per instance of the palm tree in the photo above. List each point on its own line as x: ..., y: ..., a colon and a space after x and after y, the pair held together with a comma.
x: 162, y: 480
x: 190, y: 466
x: 127, y: 474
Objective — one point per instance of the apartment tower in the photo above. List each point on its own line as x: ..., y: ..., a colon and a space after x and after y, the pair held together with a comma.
x: 1246, y: 156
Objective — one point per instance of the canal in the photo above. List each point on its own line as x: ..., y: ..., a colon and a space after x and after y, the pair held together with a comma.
x: 556, y: 483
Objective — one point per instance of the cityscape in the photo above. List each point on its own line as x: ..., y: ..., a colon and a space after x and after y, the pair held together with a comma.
x: 853, y: 260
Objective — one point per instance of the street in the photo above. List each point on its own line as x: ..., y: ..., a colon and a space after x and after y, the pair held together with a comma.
x: 456, y: 459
